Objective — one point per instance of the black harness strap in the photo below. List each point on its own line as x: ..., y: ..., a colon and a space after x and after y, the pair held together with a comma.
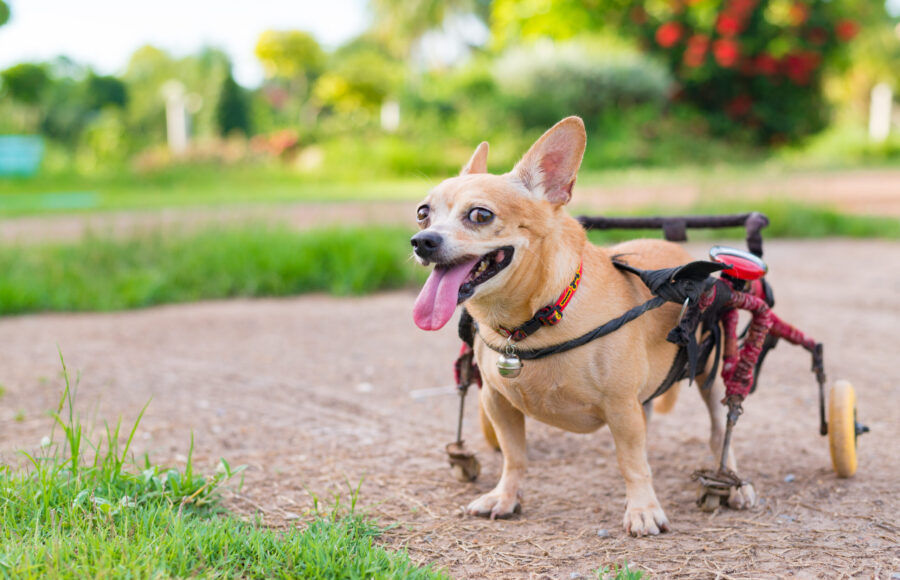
x: 602, y: 330
x: 681, y: 284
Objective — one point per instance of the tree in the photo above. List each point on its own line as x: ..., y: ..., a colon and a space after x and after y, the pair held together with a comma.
x: 399, y: 24
x: 4, y: 13
x: 25, y: 82
x: 102, y: 91
x: 513, y: 21
x: 231, y: 110
x: 289, y: 54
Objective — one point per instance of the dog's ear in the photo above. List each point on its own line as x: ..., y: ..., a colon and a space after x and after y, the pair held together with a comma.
x: 478, y: 162
x: 550, y: 166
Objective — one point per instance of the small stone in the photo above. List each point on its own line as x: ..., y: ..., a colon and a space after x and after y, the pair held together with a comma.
x: 790, y: 477
x: 895, y: 576
x: 601, y: 533
x: 575, y: 576
x: 291, y: 516
x: 365, y: 388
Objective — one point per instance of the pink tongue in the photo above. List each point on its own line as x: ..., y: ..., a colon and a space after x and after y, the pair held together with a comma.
x: 437, y: 300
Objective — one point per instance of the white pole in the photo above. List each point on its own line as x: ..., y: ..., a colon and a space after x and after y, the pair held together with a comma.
x: 880, y: 112
x: 177, y: 128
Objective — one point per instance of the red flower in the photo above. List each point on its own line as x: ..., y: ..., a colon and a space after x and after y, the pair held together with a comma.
x: 695, y: 53
x: 741, y: 8
x: 765, y: 64
x: 799, y: 66
x: 668, y: 34
x: 728, y: 25
x: 726, y: 52
x: 846, y: 29
x: 799, y: 13
x: 818, y: 36
x: 739, y: 106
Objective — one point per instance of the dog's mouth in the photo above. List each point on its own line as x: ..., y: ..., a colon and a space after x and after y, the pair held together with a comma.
x: 450, y: 284
x: 487, y: 267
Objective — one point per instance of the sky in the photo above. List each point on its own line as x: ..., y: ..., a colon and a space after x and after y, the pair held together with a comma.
x: 104, y: 33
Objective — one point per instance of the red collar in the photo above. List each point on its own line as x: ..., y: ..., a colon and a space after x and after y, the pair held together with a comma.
x: 548, y: 315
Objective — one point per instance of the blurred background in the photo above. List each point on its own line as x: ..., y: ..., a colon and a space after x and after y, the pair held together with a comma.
x: 269, y: 112
x: 363, y: 89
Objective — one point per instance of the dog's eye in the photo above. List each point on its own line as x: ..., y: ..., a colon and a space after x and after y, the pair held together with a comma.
x: 479, y: 215
x: 422, y: 213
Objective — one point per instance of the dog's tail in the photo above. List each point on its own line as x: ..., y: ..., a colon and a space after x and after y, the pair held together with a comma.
x: 665, y: 402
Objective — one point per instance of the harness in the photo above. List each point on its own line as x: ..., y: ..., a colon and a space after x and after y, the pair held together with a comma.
x: 685, y: 285
x: 703, y: 298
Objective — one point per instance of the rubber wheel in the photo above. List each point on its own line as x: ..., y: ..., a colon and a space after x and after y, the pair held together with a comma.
x: 842, y: 428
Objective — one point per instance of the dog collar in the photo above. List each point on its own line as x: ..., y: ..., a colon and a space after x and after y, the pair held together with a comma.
x: 548, y: 315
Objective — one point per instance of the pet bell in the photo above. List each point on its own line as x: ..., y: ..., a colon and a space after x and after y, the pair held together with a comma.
x: 509, y: 365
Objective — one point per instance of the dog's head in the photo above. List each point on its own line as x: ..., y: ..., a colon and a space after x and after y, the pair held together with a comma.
x: 481, y: 230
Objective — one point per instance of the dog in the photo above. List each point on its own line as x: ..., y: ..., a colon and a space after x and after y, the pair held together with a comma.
x: 505, y: 247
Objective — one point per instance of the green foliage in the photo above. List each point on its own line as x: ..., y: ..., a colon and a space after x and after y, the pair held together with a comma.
x: 148, y: 71
x: 104, y: 91
x: 751, y: 63
x: 360, y: 77
x: 232, y: 114
x: 25, y: 83
x: 787, y: 220
x: 513, y: 21
x: 588, y: 79
x: 289, y: 54
x: 400, y: 23
x: 107, y: 274
x: 617, y: 573
x: 4, y: 12
x: 85, y: 509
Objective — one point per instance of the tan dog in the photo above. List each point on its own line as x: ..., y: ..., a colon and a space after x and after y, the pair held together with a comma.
x: 505, y: 246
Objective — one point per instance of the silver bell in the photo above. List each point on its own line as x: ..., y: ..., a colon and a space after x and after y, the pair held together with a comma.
x: 509, y: 364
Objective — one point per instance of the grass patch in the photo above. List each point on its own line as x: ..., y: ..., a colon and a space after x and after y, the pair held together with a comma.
x: 87, y: 509
x: 191, y: 186
x: 786, y: 220
x: 110, y: 274
x: 100, y: 274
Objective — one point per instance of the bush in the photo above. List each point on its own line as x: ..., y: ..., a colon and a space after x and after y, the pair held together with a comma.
x: 545, y: 82
x: 755, y: 63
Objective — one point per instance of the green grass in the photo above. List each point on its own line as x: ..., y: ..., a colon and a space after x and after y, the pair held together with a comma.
x: 109, y: 274
x: 209, y: 185
x: 99, y: 274
x: 786, y: 220
x: 191, y: 186
x: 84, y: 509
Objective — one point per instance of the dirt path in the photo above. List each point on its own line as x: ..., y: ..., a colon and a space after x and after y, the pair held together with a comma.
x: 870, y: 192
x: 314, y: 393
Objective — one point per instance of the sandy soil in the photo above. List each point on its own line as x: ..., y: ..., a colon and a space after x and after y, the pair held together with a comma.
x: 316, y: 394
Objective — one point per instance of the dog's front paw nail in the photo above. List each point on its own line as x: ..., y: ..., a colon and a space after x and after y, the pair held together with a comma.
x: 495, y: 506
x: 648, y: 521
x: 742, y: 498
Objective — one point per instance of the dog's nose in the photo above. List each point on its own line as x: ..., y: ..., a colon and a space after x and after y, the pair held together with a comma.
x: 425, y: 244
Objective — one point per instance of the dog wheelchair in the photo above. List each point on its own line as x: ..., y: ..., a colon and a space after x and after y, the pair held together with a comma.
x: 707, y: 333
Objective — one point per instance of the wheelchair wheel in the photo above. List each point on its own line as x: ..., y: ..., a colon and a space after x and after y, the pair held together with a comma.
x: 842, y: 428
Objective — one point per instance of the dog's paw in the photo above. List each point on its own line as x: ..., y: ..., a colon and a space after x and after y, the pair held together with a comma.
x: 742, y: 498
x: 646, y: 521
x: 495, y: 505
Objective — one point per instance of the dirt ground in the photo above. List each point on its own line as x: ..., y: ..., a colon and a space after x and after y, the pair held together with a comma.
x: 317, y: 394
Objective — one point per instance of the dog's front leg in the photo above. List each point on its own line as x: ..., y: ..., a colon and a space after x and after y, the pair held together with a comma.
x: 509, y: 425
x: 643, y: 514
